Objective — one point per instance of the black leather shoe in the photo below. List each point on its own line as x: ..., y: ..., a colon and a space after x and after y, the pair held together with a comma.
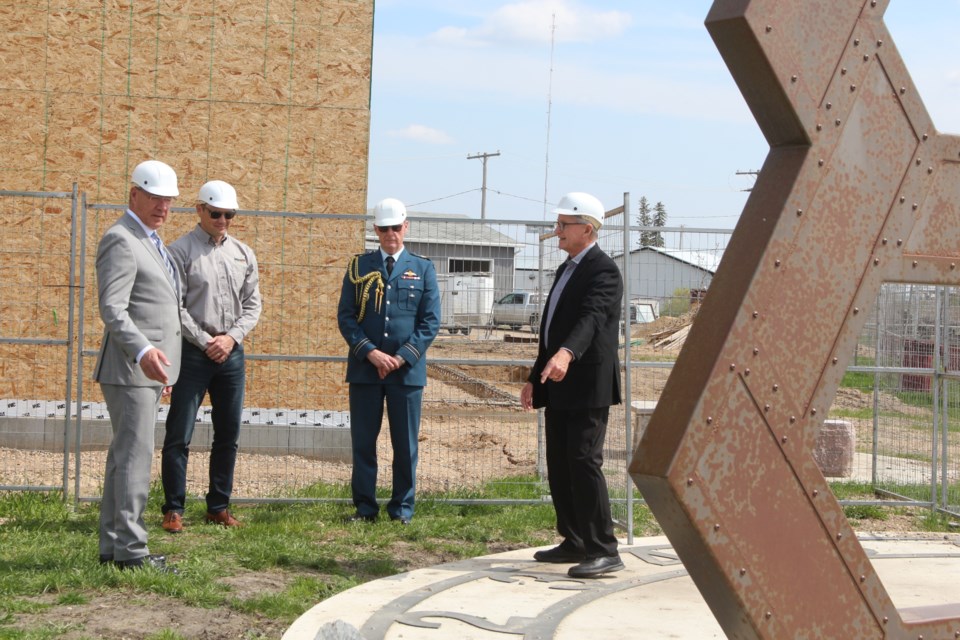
x: 359, y: 518
x: 401, y: 520
x: 558, y: 555
x: 158, y: 562
x: 596, y: 567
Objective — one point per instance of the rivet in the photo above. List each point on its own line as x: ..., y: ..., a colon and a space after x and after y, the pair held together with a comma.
x: 866, y: 57
x: 903, y: 90
x: 819, y: 127
x: 903, y: 199
x: 756, y: 351
x: 879, y: 43
x: 746, y: 372
x: 876, y: 261
x: 776, y: 263
x: 768, y: 615
x: 716, y: 527
x: 884, y: 241
x: 915, y: 206
x: 836, y: 360
x: 856, y: 309
x: 743, y: 572
x: 919, y: 161
x: 793, y: 419
x: 863, y: 578
x: 816, y: 492
x: 756, y: 314
x: 925, y: 136
x: 733, y: 367
x: 820, y: 162
x: 873, y: 3
x: 856, y: 42
x: 799, y: 212
x: 813, y: 412
x: 793, y: 78
x: 837, y: 122
x: 769, y: 28
x: 853, y: 87
x: 843, y: 71
x: 899, y: 241
x: 689, y: 482
x: 766, y: 407
x: 886, y: 619
x: 783, y: 439
x: 839, y: 536
x: 829, y: 105
x: 914, y: 263
x: 953, y: 265
x: 929, y: 170
x: 776, y: 387
x: 709, y: 419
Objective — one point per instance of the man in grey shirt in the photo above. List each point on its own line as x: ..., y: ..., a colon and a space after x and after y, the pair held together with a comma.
x: 221, y: 305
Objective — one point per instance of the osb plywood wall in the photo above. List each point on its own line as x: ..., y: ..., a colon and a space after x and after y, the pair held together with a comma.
x: 270, y: 95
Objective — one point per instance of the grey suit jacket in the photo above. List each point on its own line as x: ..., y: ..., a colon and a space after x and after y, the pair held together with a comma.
x: 139, y: 305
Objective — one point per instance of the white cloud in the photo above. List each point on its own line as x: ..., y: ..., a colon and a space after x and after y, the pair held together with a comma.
x: 421, y: 133
x: 531, y: 21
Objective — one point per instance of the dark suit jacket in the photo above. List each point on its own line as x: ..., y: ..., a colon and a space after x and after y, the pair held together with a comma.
x: 586, y: 321
x: 406, y: 323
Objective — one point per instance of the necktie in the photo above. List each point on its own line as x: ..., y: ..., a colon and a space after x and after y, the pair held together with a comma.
x: 166, y: 258
x: 390, y: 262
x: 563, y: 274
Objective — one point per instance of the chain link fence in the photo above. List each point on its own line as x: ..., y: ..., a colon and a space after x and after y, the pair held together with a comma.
x: 898, y: 403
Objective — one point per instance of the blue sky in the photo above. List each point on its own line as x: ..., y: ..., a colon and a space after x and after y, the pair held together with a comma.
x: 638, y: 99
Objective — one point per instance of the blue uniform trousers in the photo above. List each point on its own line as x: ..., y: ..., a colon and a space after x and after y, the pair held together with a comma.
x: 366, y: 416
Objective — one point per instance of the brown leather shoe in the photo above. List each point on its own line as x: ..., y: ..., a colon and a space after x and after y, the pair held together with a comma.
x: 172, y: 522
x: 223, y: 518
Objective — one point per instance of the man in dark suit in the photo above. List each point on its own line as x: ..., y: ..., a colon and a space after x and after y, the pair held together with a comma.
x: 139, y: 358
x: 389, y: 314
x: 576, y: 377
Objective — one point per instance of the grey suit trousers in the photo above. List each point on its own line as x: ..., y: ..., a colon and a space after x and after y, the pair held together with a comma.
x: 126, y: 482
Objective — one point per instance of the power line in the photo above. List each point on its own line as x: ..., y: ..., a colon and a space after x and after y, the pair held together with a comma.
x: 417, y: 204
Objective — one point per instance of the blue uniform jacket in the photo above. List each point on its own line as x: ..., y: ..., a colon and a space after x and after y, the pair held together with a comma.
x: 406, y: 322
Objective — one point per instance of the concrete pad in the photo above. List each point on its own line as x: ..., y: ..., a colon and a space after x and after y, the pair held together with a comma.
x: 508, y: 594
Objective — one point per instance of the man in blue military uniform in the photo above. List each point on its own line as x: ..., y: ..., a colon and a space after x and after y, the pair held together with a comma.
x: 389, y: 314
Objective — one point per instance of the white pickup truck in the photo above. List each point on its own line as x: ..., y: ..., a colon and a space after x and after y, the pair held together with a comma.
x: 518, y: 309
x: 524, y: 308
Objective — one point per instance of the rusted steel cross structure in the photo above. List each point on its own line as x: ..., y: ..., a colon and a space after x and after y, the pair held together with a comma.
x: 858, y: 189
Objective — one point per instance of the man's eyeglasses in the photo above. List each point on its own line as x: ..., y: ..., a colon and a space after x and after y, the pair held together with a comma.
x: 215, y: 215
x: 396, y: 227
x: 564, y: 225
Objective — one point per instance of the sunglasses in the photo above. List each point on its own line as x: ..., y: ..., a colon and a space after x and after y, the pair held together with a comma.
x: 396, y: 227
x: 215, y: 215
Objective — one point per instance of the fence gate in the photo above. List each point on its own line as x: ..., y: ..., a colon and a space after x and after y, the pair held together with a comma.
x: 37, y: 290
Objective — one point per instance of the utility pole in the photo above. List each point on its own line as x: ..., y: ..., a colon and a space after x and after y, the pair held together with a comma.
x: 483, y: 190
x: 748, y: 173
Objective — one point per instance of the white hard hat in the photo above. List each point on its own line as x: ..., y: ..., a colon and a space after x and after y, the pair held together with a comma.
x: 155, y: 178
x: 582, y: 205
x: 388, y: 212
x: 219, y: 194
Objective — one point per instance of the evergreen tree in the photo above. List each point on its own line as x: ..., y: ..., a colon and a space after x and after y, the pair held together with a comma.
x: 644, y: 220
x: 659, y: 220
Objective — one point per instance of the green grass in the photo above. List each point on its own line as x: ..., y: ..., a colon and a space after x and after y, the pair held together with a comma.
x: 305, y: 551
x: 48, y: 552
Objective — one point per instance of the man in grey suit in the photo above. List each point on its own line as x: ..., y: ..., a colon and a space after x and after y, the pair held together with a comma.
x: 139, y: 358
